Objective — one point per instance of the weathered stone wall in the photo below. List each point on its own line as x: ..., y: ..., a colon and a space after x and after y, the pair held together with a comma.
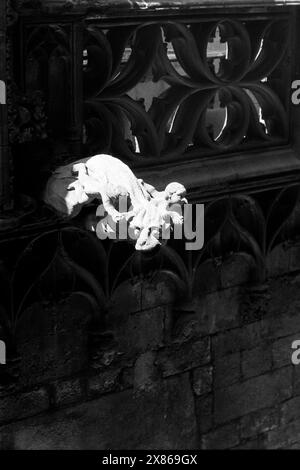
x: 210, y: 372
x: 4, y: 193
x: 215, y: 373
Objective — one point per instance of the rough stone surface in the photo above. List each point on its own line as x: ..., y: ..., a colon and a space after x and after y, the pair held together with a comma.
x: 22, y: 405
x: 222, y: 438
x: 181, y: 357
x: 256, y: 361
x: 227, y: 370
x: 202, y: 380
x: 163, y: 379
x: 68, y: 391
x: 290, y: 410
x: 204, y: 413
x: 111, y: 422
x: 259, y: 422
x: 252, y: 395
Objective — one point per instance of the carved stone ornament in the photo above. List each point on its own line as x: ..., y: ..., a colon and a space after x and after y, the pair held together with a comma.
x: 108, y: 179
x: 28, y: 120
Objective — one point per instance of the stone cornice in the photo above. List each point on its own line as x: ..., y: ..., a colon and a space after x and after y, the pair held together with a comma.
x: 115, y: 8
x: 211, y: 177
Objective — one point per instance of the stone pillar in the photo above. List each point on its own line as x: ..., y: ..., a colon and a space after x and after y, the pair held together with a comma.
x: 4, y: 149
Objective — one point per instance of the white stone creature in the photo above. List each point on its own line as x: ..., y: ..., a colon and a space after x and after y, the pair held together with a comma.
x: 108, y: 179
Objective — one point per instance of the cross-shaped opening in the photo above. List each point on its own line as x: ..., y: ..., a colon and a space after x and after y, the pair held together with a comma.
x: 216, y: 50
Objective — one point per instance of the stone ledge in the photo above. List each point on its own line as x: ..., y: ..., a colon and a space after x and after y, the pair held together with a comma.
x: 218, y: 176
x: 117, y: 8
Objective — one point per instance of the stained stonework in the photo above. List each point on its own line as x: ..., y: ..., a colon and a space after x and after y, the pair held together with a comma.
x: 4, y: 187
x: 231, y: 388
x: 120, y: 6
x: 111, y: 348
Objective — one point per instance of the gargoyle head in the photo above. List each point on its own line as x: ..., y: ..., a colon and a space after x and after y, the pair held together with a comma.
x: 175, y: 193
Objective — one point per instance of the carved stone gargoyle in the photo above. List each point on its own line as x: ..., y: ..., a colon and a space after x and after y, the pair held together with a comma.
x: 108, y: 179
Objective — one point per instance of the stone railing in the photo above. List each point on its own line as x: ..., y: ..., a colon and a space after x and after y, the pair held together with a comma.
x: 158, y: 83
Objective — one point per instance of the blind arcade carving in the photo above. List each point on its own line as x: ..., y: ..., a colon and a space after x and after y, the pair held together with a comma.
x: 201, y: 98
